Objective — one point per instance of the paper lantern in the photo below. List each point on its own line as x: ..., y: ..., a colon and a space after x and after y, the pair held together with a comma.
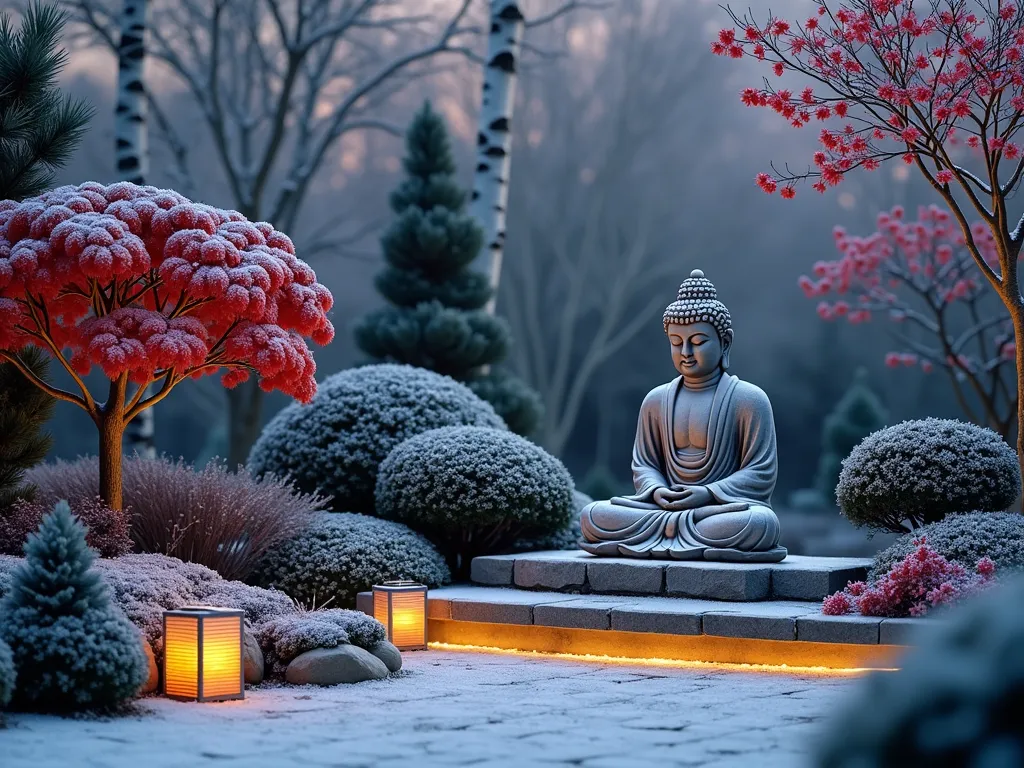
x: 401, y: 606
x: 203, y: 654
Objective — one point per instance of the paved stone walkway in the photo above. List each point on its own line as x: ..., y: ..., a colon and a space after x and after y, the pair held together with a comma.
x: 459, y: 708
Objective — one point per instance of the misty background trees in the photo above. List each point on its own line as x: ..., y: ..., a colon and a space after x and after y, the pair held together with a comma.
x: 632, y: 163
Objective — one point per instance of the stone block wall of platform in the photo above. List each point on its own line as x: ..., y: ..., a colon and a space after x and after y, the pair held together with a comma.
x: 795, y: 578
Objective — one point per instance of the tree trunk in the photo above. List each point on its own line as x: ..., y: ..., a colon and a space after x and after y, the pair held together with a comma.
x: 132, y: 152
x: 1016, y: 308
x: 494, y: 140
x: 111, y: 425
x: 245, y: 416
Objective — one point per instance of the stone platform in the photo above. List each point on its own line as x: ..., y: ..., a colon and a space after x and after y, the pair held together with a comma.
x: 795, y: 578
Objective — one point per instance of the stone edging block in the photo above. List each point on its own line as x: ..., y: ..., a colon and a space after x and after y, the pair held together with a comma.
x: 863, y: 630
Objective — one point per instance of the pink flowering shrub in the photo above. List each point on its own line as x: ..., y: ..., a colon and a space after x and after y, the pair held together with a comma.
x: 153, y: 288
x: 107, y: 530
x: 923, y: 580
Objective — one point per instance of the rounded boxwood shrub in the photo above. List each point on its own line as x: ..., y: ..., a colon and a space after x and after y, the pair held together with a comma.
x: 7, y: 674
x: 952, y: 701
x: 474, y: 491
x: 342, y: 554
x: 567, y: 538
x: 917, y: 472
x: 964, y: 538
x: 335, y: 443
x: 73, y: 649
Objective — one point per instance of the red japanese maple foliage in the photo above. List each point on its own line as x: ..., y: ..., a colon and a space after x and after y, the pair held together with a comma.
x: 153, y: 288
x: 918, y: 273
x: 914, y: 80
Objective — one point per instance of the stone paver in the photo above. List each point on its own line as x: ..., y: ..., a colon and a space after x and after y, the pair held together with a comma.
x: 462, y: 709
x: 838, y: 629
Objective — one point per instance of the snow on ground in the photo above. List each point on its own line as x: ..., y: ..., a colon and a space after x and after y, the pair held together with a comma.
x: 450, y: 708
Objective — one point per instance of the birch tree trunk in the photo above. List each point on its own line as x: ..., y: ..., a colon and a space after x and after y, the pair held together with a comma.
x: 132, y: 152
x: 494, y: 140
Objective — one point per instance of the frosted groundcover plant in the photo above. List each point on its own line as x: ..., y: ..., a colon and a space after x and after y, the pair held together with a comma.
x: 144, y: 586
x: 334, y: 445
x: 922, y: 581
x: 285, y: 637
x: 917, y: 472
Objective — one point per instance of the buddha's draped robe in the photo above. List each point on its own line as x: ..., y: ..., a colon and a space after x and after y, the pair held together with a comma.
x: 738, y: 468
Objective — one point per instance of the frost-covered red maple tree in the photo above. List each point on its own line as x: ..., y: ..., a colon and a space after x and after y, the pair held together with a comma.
x: 912, y: 82
x: 153, y: 288
x: 919, y: 274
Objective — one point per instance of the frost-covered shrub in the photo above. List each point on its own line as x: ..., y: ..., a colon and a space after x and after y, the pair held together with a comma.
x: 565, y: 539
x: 922, y: 580
x: 224, y: 520
x: 73, y: 649
x: 917, y: 472
x: 342, y: 554
x: 7, y: 674
x: 107, y: 530
x: 952, y: 703
x: 474, y: 490
x: 964, y: 539
x: 335, y: 444
x: 285, y: 637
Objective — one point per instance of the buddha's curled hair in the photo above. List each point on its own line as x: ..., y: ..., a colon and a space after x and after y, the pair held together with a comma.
x: 697, y: 302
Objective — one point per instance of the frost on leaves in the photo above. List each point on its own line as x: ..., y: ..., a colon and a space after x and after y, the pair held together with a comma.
x: 144, y: 282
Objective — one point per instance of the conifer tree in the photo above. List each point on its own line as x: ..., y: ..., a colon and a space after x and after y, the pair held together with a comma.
x: 24, y: 411
x: 435, y: 318
x: 858, y: 413
x: 38, y: 130
x: 73, y: 649
x: 39, y: 127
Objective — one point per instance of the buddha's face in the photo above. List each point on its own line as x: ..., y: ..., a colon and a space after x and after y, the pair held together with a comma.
x: 697, y: 350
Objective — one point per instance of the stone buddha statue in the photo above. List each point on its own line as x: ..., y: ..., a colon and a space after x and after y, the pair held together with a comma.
x: 704, y: 460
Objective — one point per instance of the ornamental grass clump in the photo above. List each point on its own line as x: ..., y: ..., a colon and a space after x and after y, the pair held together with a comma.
x: 73, y: 649
x: 224, y: 520
x: 953, y: 703
x: 108, y: 531
x: 342, y: 554
x: 335, y: 444
x: 285, y: 637
x: 474, y: 491
x: 965, y: 539
x: 923, y: 580
x: 917, y: 472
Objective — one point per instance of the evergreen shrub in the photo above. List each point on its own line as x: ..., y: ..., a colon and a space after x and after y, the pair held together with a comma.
x: 334, y: 445
x: 474, y: 490
x: 917, y: 472
x: 73, y: 649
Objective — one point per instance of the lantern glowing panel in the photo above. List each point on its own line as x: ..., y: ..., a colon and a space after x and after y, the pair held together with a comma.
x: 203, y: 654
x: 401, y: 606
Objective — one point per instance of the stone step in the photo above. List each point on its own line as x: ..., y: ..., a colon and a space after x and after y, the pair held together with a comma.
x: 795, y: 578
x: 767, y: 620
x: 791, y: 633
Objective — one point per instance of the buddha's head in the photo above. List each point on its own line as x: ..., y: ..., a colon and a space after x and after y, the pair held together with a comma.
x: 699, y: 328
